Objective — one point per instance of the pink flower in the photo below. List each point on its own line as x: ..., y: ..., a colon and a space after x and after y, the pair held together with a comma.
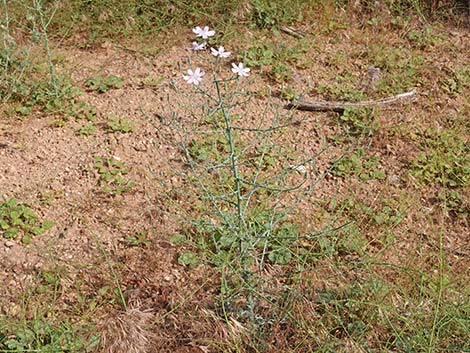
x: 220, y: 52
x: 240, y: 70
x: 203, y: 32
x: 194, y: 77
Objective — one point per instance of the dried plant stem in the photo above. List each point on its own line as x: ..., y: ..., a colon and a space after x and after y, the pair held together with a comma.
x: 301, y: 104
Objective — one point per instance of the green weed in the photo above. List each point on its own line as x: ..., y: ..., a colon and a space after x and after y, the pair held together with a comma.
x: 29, y: 76
x: 358, y: 122
x: 42, y: 335
x: 17, y: 219
x: 87, y: 130
x: 344, y: 89
x: 360, y: 165
x: 118, y: 124
x: 140, y: 239
x: 277, y: 60
x: 425, y: 38
x: 445, y: 160
x: 401, y: 69
x: 103, y: 84
x: 267, y: 14
x: 82, y: 111
x: 457, y: 83
x: 456, y: 203
x: 112, y: 174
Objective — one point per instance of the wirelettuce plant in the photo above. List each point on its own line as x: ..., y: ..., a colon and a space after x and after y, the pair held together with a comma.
x: 243, y: 176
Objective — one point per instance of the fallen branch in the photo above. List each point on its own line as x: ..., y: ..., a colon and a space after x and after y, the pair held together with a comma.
x: 293, y: 32
x: 341, y: 106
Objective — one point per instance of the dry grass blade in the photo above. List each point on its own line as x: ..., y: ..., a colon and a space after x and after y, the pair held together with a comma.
x: 126, y: 332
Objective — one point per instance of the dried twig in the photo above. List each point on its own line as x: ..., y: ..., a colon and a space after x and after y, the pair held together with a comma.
x: 293, y: 32
x: 341, y: 106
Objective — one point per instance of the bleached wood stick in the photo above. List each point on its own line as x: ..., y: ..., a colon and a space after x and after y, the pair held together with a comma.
x: 302, y: 104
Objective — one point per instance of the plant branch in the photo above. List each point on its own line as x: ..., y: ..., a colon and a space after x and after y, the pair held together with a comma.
x: 323, y: 106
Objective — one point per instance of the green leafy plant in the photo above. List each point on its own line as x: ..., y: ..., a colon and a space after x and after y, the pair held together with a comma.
x: 82, y: 111
x: 267, y: 14
x: 17, y: 219
x: 117, y: 124
x: 188, y: 258
x: 358, y: 122
x: 277, y: 60
x: 87, y: 130
x: 112, y: 174
x: 343, y: 89
x: 140, y: 239
x: 44, y: 336
x: 387, y: 213
x: 457, y: 83
x: 360, y: 165
x: 456, y: 202
x: 103, y: 84
x: 445, y: 160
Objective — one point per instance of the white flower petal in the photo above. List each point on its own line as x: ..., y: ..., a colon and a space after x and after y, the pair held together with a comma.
x: 240, y: 70
x: 194, y: 77
x: 198, y: 46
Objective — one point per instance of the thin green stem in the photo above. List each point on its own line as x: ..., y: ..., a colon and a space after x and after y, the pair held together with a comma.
x: 440, y: 289
x: 233, y: 157
x: 44, y: 26
x: 113, y: 272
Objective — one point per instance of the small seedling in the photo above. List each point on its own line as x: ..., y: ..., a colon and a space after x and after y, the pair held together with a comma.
x: 153, y: 82
x: 360, y: 165
x: 140, y: 239
x: 188, y: 259
x: 445, y: 160
x: 82, y: 111
x: 17, y: 218
x: 111, y: 176
x: 103, y: 84
x: 359, y: 122
x: 87, y: 130
x: 117, y: 124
